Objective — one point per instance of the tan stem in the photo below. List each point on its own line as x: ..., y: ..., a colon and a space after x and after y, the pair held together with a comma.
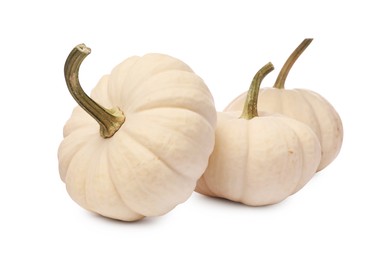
x: 110, y: 120
x: 281, y: 79
x: 250, y: 107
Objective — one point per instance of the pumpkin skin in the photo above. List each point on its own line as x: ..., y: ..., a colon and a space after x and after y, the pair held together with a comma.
x: 152, y: 163
x: 305, y: 106
x: 259, y: 158
x: 260, y: 161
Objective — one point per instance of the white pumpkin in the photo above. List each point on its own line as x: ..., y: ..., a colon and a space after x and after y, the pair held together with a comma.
x: 303, y: 105
x: 148, y: 152
x: 259, y: 158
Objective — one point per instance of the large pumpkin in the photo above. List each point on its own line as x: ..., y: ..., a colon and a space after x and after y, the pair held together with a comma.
x: 303, y: 105
x: 144, y: 156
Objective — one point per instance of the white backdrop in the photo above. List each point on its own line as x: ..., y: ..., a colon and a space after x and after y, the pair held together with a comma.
x: 340, y: 214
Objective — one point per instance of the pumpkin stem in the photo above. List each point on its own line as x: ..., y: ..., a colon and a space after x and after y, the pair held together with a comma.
x: 281, y: 79
x: 110, y: 120
x: 250, y: 107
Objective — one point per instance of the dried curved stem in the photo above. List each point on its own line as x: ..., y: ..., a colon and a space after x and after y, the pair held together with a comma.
x: 281, y: 79
x: 250, y: 107
x: 110, y: 120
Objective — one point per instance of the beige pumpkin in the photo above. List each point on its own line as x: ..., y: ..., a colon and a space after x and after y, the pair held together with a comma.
x: 259, y: 158
x: 303, y: 105
x: 144, y: 156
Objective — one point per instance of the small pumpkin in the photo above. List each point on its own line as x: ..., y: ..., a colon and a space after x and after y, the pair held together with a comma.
x: 304, y: 105
x: 144, y: 156
x: 259, y: 158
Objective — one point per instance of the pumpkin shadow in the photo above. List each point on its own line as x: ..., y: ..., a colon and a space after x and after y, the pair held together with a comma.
x: 218, y: 201
x: 146, y: 221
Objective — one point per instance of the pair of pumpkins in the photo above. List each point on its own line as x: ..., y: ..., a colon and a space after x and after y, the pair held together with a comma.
x: 150, y: 135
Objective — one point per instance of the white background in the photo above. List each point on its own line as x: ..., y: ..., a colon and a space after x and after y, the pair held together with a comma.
x: 340, y: 214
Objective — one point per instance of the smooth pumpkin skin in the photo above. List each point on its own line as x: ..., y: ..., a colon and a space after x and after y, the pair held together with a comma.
x: 260, y: 161
x: 152, y: 163
x: 305, y: 106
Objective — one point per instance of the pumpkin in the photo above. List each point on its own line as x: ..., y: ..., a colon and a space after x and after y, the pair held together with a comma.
x: 259, y: 158
x: 304, y: 105
x: 144, y: 155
